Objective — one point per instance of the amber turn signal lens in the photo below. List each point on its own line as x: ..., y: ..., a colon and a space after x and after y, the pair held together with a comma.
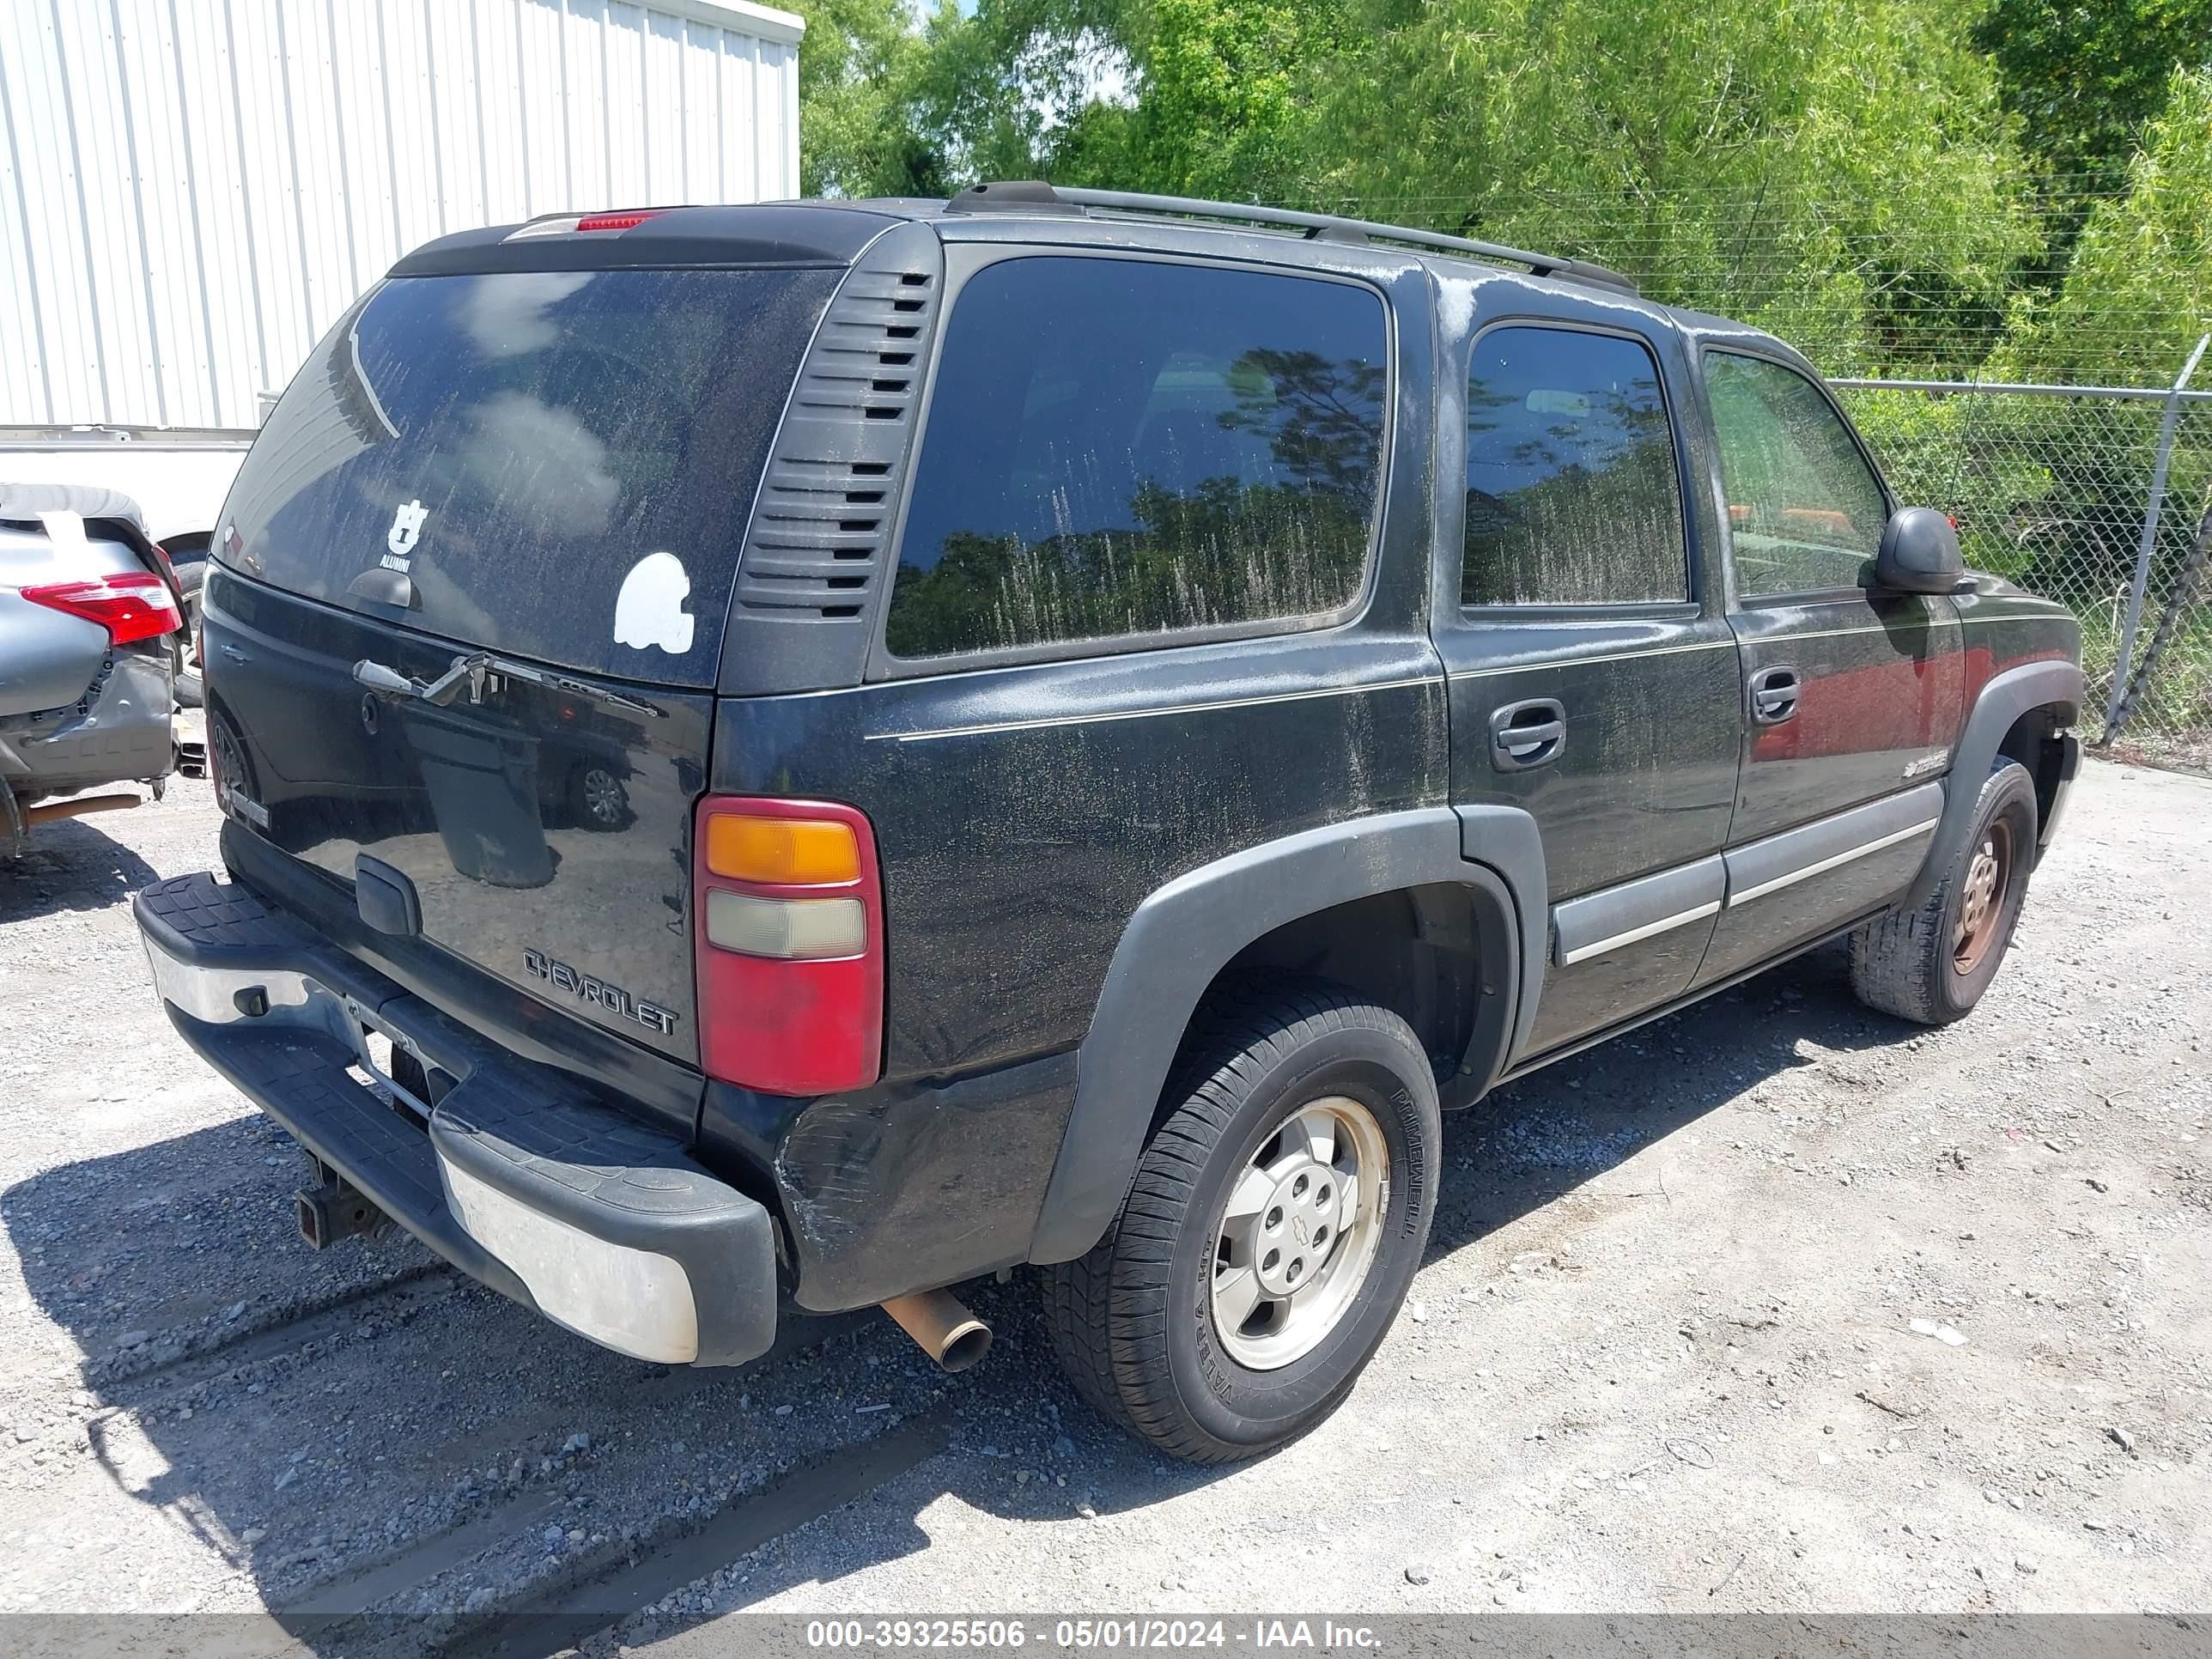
x: 782, y: 851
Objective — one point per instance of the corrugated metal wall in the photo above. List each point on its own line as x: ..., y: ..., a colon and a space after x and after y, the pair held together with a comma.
x: 192, y: 191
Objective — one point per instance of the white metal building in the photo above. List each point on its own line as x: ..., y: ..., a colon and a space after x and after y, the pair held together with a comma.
x: 192, y: 191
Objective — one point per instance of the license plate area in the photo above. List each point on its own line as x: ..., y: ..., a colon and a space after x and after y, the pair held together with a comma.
x: 376, y: 1045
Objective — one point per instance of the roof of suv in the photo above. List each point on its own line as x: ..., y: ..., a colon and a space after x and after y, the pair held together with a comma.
x: 822, y: 232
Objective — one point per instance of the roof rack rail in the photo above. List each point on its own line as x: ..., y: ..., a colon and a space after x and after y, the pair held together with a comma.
x: 1032, y: 196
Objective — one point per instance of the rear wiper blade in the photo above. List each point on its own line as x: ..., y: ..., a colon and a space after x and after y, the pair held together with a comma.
x: 476, y: 672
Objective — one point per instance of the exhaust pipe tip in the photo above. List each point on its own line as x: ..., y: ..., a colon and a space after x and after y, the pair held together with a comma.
x: 968, y: 1347
x: 943, y: 1326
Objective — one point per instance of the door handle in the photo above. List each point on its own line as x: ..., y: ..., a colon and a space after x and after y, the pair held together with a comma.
x: 234, y: 654
x: 1774, y: 694
x: 1528, y: 734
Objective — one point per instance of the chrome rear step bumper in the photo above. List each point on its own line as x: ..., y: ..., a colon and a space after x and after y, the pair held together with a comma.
x: 517, y: 1174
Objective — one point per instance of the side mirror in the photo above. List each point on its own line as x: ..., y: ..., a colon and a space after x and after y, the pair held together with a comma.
x: 1919, y: 553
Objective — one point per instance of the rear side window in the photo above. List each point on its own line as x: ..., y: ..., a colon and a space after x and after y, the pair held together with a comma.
x: 1805, y: 511
x: 1119, y: 447
x: 1572, y: 495
x: 560, y: 463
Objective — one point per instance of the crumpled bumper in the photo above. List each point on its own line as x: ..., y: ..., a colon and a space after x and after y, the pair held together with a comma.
x: 517, y: 1174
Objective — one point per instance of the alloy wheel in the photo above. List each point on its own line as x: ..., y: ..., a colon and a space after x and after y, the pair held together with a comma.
x: 1298, y: 1233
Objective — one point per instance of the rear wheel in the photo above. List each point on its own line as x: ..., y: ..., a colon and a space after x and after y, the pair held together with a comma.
x: 1931, y: 964
x: 190, y: 580
x: 1277, y: 1218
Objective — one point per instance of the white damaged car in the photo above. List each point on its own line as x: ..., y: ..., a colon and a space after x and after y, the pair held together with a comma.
x: 88, y: 611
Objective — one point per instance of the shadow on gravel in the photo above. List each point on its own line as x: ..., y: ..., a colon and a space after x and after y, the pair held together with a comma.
x: 70, y: 865
x: 363, y: 1432
x: 1563, y: 1129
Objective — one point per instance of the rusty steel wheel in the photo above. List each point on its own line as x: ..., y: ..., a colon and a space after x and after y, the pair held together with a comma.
x: 1931, y: 961
x: 1981, y: 898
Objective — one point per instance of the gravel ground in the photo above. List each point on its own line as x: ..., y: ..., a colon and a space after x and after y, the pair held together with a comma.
x: 1669, y: 1351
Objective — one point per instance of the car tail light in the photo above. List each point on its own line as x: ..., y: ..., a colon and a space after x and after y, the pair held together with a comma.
x: 134, y: 605
x: 789, y: 917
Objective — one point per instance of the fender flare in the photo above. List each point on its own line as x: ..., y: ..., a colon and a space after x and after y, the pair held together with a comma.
x: 2003, y: 701
x: 1187, y: 930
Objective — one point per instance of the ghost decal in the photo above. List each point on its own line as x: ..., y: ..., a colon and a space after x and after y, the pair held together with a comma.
x: 649, y: 610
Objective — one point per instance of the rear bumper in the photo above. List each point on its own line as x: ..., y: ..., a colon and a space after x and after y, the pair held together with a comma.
x: 518, y: 1176
x: 124, y: 735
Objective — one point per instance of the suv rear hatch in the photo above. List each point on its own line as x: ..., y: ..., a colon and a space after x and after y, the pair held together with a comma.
x: 472, y: 583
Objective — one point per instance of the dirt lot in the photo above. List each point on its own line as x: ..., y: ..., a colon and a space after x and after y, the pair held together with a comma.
x: 1663, y: 1355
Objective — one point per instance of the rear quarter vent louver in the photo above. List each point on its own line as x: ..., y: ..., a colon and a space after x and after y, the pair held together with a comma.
x: 818, y: 544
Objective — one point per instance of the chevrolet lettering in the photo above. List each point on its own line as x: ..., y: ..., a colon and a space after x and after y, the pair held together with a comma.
x: 611, y: 998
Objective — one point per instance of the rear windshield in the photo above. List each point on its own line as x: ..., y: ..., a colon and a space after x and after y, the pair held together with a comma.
x: 556, y: 465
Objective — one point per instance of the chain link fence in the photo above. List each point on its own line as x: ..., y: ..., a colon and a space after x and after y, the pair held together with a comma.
x: 2053, y: 486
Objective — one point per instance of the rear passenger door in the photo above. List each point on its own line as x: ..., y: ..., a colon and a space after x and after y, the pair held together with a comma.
x: 1853, y: 698
x: 1593, y: 674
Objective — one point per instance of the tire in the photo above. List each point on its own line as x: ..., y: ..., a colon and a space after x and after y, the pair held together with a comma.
x: 188, y: 690
x: 1134, y: 1321
x: 1916, y: 964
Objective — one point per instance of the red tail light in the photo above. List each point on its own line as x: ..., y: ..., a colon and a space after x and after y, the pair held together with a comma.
x: 135, y: 606
x: 621, y: 219
x: 788, y: 928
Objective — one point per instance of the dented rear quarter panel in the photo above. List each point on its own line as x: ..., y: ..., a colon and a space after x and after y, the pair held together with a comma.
x: 1021, y: 816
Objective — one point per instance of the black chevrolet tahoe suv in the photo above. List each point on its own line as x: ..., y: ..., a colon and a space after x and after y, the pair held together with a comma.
x: 787, y: 757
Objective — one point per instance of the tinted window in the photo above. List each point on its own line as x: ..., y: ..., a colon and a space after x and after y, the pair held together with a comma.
x: 1804, y: 510
x: 1572, y: 495
x: 1116, y: 448
x: 516, y: 444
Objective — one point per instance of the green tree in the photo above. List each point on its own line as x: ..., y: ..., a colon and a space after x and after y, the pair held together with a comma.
x: 1735, y: 155
x: 1225, y: 93
x: 1183, y: 97
x: 2053, y: 490
x: 2138, y: 292
x: 858, y: 68
x: 2136, y: 299
x: 1007, y: 91
x: 2086, y: 79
